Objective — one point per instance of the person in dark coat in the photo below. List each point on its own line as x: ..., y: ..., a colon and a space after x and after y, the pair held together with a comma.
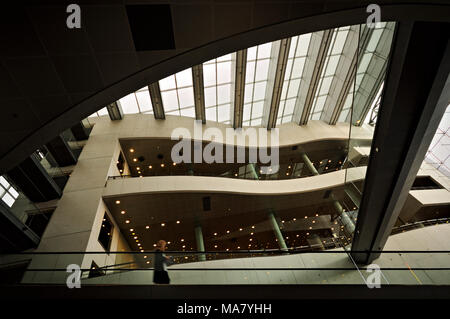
x: 161, y: 261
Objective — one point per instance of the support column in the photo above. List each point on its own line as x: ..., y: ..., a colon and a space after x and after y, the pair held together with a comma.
x: 277, y: 231
x: 199, y: 241
x: 346, y: 220
x: 253, y: 171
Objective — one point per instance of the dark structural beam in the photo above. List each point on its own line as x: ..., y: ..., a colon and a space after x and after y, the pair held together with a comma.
x: 416, y: 94
x: 239, y: 87
x: 61, y: 151
x: 34, y: 181
x: 157, y: 104
x: 280, y: 70
x: 80, y: 132
x: 199, y: 92
x: 115, y: 111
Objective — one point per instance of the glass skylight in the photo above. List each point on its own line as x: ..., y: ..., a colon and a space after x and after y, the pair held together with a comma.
x: 177, y: 93
x: 329, y: 71
x: 217, y: 82
x: 292, y: 78
x: 256, y: 77
x: 8, y: 193
x: 438, y: 153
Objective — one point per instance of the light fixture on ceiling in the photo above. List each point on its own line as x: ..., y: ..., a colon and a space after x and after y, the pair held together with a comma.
x: 131, y: 150
x: 182, y: 240
x: 117, y: 202
x: 134, y: 159
x: 178, y: 221
x: 174, y: 164
x: 147, y: 227
x: 122, y: 212
x: 162, y: 164
x: 163, y: 224
x: 150, y: 166
x: 131, y: 229
x: 127, y: 221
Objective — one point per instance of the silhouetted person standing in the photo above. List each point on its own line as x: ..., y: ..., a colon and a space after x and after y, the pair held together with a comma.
x: 160, y: 274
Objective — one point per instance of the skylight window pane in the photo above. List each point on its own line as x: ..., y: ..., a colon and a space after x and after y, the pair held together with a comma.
x: 364, y: 62
x: 339, y: 43
x: 184, y: 78
x: 186, y: 97
x: 2, y: 191
x: 174, y: 112
x: 209, y: 74
x: 223, y: 72
x: 4, y: 182
x: 210, y: 96
x: 224, y: 94
x: 374, y: 39
x: 211, y: 114
x: 145, y: 103
x: 260, y: 91
x: 170, y: 100
x: 251, y: 54
x: 247, y: 110
x: 248, y: 93
x: 129, y: 104
x: 292, y: 47
x: 316, y: 116
x: 250, y: 72
x: 102, y: 112
x: 289, y: 107
x: 226, y: 57
x: 293, y: 88
x: 280, y: 109
x: 332, y: 64
x: 256, y: 122
x: 223, y: 113
x: 189, y: 112
x: 298, y: 67
x: 167, y: 83
x: 8, y: 199
x: 13, y: 192
x: 264, y: 50
x: 325, y: 87
x: 320, y: 103
x: 302, y: 46
x: 257, y: 110
x: 262, y: 70
x: 287, y: 74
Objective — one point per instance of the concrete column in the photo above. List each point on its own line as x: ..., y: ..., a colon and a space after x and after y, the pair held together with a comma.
x: 310, y: 165
x: 346, y: 219
x: 190, y: 170
x: 253, y: 171
x: 200, y: 243
x: 277, y: 231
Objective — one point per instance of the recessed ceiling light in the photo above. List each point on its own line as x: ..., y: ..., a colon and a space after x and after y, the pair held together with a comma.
x: 135, y: 237
x: 148, y: 262
x: 134, y: 159
x: 145, y: 257
x: 131, y: 229
x: 253, y: 226
x: 127, y: 221
x: 168, y: 243
x: 162, y: 165
x: 215, y: 246
x: 240, y: 229
x: 215, y: 234
x: 147, y: 227
x: 150, y: 166
x: 228, y: 231
x: 139, y: 244
x: 184, y: 246
x: 122, y: 212
x: 178, y: 221
x: 131, y: 150
x: 251, y: 233
x: 162, y: 224
x: 138, y: 168
x: 117, y: 202
x: 182, y: 239
x: 154, y: 245
x: 174, y: 164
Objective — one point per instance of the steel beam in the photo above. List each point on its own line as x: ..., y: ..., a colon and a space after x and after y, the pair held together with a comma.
x: 274, y: 97
x: 157, y: 104
x: 115, y: 111
x: 416, y: 94
x: 239, y: 87
x: 199, y: 92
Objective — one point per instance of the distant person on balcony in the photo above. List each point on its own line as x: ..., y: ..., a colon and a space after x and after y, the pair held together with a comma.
x: 161, y: 261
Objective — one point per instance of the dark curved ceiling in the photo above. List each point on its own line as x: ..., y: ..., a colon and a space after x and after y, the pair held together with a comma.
x: 51, y: 77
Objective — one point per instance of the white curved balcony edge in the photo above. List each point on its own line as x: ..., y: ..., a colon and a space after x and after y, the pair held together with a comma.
x: 134, y: 126
x: 202, y: 184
